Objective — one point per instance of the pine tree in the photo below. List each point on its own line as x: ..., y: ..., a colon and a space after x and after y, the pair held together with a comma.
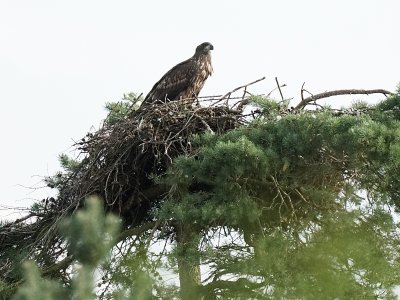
x: 289, y: 205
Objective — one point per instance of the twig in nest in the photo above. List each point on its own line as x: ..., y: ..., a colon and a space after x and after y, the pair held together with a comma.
x: 273, y: 90
x: 236, y: 89
x: 279, y: 88
x: 302, y: 91
x: 312, y: 98
x: 207, y: 126
x: 20, y: 220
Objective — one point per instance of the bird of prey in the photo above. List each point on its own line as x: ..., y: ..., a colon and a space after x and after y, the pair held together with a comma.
x: 185, y: 80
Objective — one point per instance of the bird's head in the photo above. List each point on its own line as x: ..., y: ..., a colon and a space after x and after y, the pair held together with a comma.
x: 204, y: 48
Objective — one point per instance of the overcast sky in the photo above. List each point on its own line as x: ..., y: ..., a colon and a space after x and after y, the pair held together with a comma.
x: 60, y: 61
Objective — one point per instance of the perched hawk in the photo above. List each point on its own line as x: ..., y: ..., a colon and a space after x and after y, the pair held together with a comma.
x: 186, y: 79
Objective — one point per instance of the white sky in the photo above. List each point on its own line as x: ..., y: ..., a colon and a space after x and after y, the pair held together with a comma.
x: 60, y: 61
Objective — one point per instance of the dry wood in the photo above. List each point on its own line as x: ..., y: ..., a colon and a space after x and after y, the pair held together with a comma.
x: 279, y: 88
x: 316, y: 97
x: 227, y: 95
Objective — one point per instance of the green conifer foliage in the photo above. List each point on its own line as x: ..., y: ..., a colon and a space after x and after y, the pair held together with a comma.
x: 291, y: 188
x: 90, y: 236
x: 292, y: 205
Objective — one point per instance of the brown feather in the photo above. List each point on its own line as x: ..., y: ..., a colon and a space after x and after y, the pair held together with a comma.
x: 186, y: 79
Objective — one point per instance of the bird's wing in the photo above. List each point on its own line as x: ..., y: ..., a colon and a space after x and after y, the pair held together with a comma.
x: 173, y: 82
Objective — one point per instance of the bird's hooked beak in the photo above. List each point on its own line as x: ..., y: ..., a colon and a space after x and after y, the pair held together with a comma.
x: 210, y: 47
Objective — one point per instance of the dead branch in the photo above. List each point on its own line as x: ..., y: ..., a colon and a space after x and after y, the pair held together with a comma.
x: 302, y: 92
x: 227, y: 95
x: 63, y: 264
x: 23, y: 219
x: 279, y: 88
x: 312, y: 98
x: 137, y: 230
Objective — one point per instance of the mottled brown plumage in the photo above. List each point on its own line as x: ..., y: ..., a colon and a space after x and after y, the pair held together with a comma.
x: 186, y: 79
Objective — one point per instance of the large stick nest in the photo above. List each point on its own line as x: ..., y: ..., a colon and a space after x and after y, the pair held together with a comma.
x: 120, y: 162
x: 121, y: 159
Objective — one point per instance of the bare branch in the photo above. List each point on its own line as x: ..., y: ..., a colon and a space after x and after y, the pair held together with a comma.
x: 307, y: 100
x: 302, y: 92
x: 11, y: 224
x: 227, y: 95
x: 137, y: 230
x: 279, y: 88
x: 63, y: 264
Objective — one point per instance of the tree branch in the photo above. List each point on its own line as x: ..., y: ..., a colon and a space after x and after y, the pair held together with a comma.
x: 279, y: 87
x: 63, y: 264
x: 136, y: 230
x: 22, y: 219
x: 307, y: 100
x: 67, y: 261
x: 236, y: 89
